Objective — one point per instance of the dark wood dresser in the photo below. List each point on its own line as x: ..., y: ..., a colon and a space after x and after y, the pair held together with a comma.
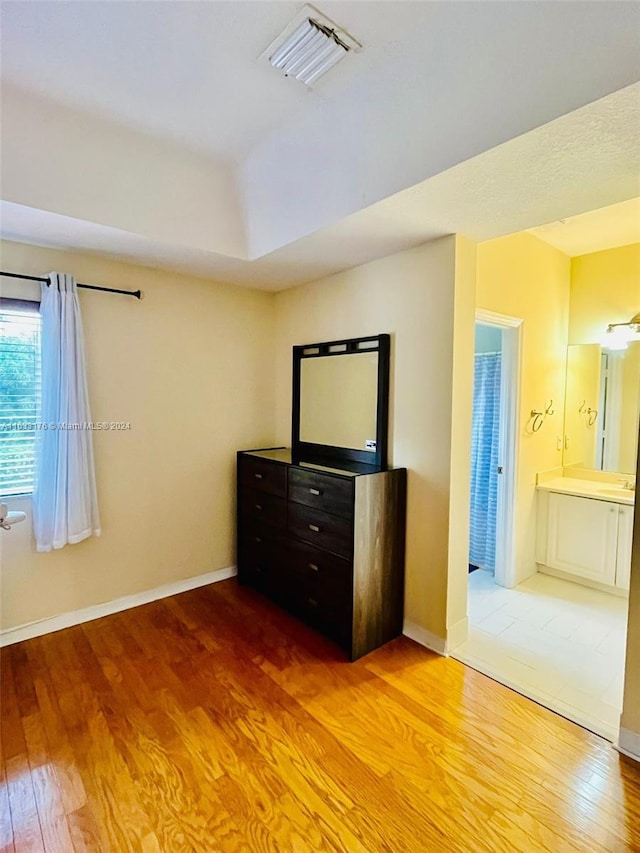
x: 326, y: 543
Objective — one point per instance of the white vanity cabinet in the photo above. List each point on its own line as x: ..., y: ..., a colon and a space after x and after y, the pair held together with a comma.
x: 585, y: 538
x: 625, y: 536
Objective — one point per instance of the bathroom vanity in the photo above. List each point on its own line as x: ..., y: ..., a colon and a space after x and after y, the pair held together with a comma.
x: 585, y: 528
x: 321, y: 525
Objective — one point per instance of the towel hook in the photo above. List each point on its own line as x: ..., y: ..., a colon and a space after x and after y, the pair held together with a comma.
x: 590, y: 414
x: 538, y: 417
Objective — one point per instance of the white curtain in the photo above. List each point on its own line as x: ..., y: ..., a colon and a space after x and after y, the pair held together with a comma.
x: 65, y: 504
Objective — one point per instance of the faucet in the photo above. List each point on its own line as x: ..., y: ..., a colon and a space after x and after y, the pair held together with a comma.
x: 8, y: 518
x: 627, y: 484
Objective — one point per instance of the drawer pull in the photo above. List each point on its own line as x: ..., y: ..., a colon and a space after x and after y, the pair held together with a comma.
x: 315, y: 492
x: 258, y: 540
x: 258, y: 476
x: 313, y: 567
x: 314, y: 527
x: 312, y: 602
x: 258, y: 506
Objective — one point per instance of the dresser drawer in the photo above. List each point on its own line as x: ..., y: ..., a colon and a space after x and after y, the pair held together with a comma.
x: 255, y: 565
x: 260, y: 544
x: 261, y: 557
x: 263, y: 507
x: 321, y: 491
x: 333, y: 618
x: 328, y: 532
x: 319, y: 571
x: 263, y: 475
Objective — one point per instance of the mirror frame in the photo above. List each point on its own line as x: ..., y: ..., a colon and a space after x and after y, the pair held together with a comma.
x: 303, y: 450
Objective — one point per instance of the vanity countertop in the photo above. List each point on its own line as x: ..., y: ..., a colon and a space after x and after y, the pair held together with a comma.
x: 589, y: 489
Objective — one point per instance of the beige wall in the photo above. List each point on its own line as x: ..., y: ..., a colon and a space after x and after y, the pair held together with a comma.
x: 412, y: 296
x: 605, y: 288
x: 523, y: 277
x: 190, y: 367
x: 461, y: 414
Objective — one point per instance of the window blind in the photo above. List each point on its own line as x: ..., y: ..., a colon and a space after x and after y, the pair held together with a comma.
x: 19, y: 395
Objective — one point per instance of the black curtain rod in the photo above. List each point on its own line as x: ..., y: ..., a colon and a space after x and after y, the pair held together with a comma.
x: 136, y: 293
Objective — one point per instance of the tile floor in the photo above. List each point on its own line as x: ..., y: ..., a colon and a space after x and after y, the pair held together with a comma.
x: 560, y: 643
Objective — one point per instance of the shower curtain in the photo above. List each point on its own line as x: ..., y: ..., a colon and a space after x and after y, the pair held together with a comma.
x: 484, y: 460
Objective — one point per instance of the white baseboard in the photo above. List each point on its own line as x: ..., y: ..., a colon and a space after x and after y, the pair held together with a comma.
x: 629, y: 743
x: 567, y: 576
x: 96, y: 611
x: 424, y: 637
x: 457, y: 634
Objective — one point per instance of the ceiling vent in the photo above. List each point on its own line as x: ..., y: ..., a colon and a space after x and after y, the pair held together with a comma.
x: 309, y: 47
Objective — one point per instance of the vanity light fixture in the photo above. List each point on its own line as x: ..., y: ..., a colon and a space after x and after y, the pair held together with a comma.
x: 618, y: 335
x: 309, y: 47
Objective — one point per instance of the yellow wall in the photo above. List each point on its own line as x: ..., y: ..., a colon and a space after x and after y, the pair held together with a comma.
x: 605, y: 288
x: 413, y: 296
x: 583, y: 392
x: 521, y: 276
x: 190, y: 367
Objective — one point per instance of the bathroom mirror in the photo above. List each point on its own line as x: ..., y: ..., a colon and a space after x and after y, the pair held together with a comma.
x: 341, y: 400
x: 602, y: 407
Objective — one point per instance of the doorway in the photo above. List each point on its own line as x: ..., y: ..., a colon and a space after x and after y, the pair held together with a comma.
x: 494, y: 452
x: 485, y: 448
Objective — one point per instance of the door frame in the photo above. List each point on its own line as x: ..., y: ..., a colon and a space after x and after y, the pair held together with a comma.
x: 511, y: 327
x: 610, y: 406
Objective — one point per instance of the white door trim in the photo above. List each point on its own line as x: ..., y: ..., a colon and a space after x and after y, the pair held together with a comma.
x: 611, y: 408
x: 505, y: 572
x: 492, y: 318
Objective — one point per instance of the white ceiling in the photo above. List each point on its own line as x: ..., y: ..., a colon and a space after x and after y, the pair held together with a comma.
x: 606, y: 228
x: 190, y: 71
x: 582, y: 161
x: 481, y: 118
x: 182, y: 70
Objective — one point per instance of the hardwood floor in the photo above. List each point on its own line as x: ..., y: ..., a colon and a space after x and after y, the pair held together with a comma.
x: 211, y: 721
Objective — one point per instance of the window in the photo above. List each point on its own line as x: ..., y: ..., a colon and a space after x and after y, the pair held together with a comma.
x: 19, y: 394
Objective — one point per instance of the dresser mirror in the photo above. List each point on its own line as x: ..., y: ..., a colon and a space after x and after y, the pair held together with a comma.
x: 602, y: 406
x: 341, y: 401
